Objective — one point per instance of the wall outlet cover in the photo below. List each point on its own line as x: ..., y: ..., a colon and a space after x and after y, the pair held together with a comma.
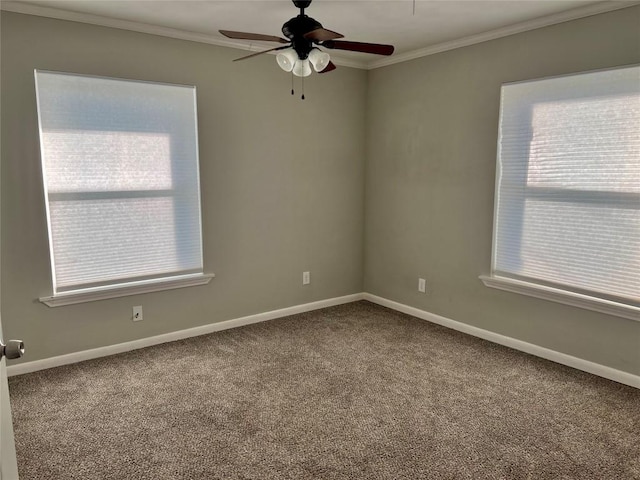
x: 137, y: 313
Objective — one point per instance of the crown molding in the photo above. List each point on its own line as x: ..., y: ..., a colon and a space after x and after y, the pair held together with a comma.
x: 40, y: 11
x: 576, y: 13
x: 582, y: 12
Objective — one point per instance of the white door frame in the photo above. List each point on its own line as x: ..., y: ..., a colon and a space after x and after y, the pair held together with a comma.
x: 8, y: 462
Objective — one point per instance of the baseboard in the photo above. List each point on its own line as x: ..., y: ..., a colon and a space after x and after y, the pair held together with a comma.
x: 562, y: 358
x: 574, y: 362
x: 75, y: 357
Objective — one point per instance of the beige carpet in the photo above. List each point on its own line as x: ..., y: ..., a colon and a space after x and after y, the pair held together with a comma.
x: 350, y: 392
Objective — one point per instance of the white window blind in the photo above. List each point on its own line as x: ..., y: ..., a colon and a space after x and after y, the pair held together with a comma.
x: 568, y: 186
x: 120, y: 169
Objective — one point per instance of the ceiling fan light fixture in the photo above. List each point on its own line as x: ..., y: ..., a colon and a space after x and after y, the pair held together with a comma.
x: 299, y: 52
x: 287, y: 59
x: 319, y: 59
x: 302, y: 68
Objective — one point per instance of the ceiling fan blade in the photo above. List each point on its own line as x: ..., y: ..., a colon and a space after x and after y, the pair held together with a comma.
x: 260, y: 53
x: 322, y: 34
x: 252, y: 36
x: 330, y: 67
x: 377, y: 48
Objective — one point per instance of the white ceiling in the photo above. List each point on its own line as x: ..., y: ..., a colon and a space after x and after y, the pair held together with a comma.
x: 433, y: 26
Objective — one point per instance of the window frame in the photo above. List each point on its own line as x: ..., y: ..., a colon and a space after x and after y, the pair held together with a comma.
x: 542, y: 289
x: 104, y: 289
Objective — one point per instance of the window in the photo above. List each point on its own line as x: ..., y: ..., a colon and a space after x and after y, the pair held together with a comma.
x: 120, y: 170
x: 567, y: 214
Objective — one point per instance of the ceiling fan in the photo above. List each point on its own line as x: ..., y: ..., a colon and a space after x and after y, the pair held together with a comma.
x: 304, y: 35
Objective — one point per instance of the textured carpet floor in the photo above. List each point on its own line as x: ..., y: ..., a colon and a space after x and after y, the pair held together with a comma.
x: 350, y: 392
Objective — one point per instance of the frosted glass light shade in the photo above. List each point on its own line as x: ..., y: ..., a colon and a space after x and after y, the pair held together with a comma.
x: 286, y: 59
x: 319, y: 59
x: 302, y: 68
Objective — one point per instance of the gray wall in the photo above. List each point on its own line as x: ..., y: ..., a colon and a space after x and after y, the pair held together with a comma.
x: 282, y: 184
x: 432, y: 130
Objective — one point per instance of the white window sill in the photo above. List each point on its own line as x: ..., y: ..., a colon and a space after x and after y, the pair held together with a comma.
x: 124, y: 289
x: 562, y: 296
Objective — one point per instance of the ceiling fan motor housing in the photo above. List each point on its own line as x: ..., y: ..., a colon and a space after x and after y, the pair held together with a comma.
x: 302, y: 3
x: 295, y: 29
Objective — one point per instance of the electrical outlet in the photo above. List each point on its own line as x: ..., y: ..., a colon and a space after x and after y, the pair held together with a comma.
x: 422, y: 285
x: 137, y: 313
x: 306, y: 278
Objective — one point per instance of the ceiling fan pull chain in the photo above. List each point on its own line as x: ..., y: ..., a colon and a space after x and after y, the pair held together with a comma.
x: 292, y: 92
x: 302, y: 97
